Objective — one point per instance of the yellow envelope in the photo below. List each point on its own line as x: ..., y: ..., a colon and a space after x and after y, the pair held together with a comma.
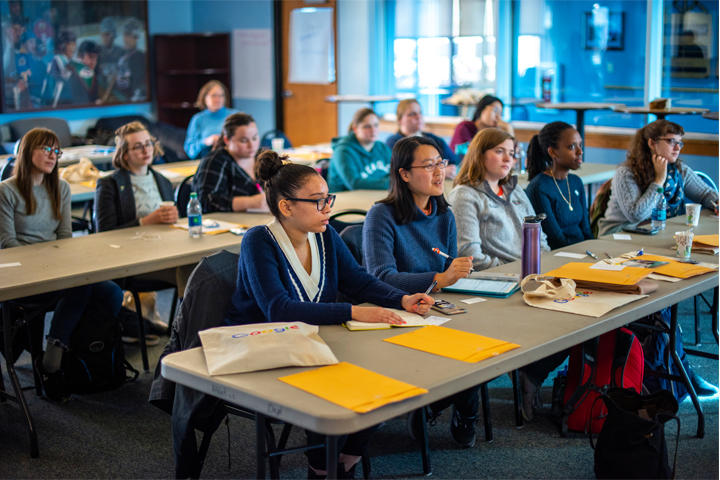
x: 582, y: 271
x: 184, y: 171
x: 353, y: 387
x: 89, y: 184
x: 676, y: 269
x: 446, y: 342
x: 709, y: 240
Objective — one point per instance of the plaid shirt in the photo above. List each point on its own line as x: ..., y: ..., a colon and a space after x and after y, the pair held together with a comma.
x: 219, y: 179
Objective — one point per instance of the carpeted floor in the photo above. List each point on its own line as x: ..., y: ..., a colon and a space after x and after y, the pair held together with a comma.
x: 118, y: 434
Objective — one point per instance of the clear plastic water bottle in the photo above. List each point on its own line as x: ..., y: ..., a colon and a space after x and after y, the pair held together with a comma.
x: 659, y: 212
x: 194, y: 213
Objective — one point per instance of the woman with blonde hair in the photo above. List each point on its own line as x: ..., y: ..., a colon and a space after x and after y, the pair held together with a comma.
x: 489, y: 206
x: 35, y: 208
x: 359, y: 160
x: 205, y: 126
x: 653, y: 168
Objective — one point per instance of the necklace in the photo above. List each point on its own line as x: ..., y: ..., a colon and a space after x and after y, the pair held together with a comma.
x: 569, y: 199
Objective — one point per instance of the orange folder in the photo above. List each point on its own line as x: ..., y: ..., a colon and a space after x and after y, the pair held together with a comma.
x: 706, y: 240
x: 353, y: 387
x: 582, y: 271
x: 676, y: 269
x: 446, y: 342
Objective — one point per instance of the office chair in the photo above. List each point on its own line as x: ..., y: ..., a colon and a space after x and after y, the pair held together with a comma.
x: 7, y: 170
x: 340, y: 225
x: 19, y: 128
x: 182, y: 195
x: 266, y: 140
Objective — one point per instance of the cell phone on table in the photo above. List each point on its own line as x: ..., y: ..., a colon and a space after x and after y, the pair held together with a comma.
x: 641, y: 230
x: 447, y: 308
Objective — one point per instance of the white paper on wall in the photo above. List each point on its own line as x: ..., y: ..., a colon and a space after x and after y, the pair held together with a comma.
x: 312, y: 49
x: 252, y: 63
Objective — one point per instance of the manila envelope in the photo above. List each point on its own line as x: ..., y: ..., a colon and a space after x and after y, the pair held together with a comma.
x: 582, y: 271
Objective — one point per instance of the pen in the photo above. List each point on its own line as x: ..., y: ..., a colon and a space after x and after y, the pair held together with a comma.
x: 592, y: 254
x: 609, y: 256
x: 430, y: 288
x: 642, y: 250
x: 437, y: 250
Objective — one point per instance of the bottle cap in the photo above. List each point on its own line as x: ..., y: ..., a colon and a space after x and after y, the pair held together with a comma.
x: 535, y: 218
x: 193, y: 194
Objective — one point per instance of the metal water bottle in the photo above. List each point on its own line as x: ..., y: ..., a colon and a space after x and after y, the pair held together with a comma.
x: 531, y: 244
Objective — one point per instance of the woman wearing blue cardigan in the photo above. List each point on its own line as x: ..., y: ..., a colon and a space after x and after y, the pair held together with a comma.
x: 205, y: 126
x: 399, y: 235
x: 294, y: 267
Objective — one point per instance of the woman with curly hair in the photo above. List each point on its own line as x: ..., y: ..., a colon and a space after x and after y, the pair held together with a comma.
x: 653, y: 168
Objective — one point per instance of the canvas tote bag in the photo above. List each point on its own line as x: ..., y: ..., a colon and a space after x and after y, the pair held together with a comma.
x: 262, y: 346
x: 541, y: 292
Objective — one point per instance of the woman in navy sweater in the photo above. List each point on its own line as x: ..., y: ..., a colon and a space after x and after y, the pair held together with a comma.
x: 553, y: 190
x: 294, y: 267
x: 398, y: 237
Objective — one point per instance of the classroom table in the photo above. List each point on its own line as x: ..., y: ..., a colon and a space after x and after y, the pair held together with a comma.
x: 539, y: 332
x: 371, y: 99
x: 97, y: 154
x: 711, y: 115
x: 661, y: 113
x: 580, y: 109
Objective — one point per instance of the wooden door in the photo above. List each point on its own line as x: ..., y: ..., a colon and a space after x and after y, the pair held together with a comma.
x: 307, y: 118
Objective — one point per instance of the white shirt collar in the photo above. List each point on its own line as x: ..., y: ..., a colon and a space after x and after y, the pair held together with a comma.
x: 309, y: 281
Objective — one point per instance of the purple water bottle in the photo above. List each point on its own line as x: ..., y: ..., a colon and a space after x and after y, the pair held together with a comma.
x: 531, y: 244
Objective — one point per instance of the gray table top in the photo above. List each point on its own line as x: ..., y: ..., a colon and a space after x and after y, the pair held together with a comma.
x: 539, y: 332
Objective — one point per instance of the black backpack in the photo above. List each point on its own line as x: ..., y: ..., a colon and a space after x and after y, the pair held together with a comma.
x: 96, y: 360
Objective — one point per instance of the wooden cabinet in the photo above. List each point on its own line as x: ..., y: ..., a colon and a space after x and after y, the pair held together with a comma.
x: 182, y: 65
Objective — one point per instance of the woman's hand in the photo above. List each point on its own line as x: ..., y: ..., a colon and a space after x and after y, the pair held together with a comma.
x: 161, y: 215
x: 418, y: 303
x: 210, y: 140
x: 376, y: 315
x: 660, y: 165
x: 459, y: 268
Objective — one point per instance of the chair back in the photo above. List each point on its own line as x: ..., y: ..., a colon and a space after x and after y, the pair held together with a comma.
x: 353, y: 237
x: 7, y: 169
x: 266, y: 140
x: 182, y: 195
x: 599, y: 206
x: 706, y: 178
x: 340, y: 225
x: 19, y: 128
x: 323, y: 167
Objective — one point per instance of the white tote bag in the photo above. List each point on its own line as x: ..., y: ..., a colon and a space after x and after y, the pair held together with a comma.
x: 262, y: 346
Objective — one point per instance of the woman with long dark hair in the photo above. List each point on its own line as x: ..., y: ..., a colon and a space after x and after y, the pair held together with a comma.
x: 553, y: 190
x: 488, y: 114
x: 653, y: 168
x: 35, y: 208
x: 399, y: 235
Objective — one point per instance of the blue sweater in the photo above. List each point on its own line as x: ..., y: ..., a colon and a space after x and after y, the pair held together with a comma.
x: 443, y: 146
x: 402, y: 255
x: 268, y: 290
x: 202, y: 125
x: 354, y: 168
x: 561, y: 226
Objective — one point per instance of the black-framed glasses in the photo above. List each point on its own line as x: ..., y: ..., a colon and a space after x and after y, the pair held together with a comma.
x: 673, y: 142
x: 320, y: 202
x: 430, y: 167
x: 139, y: 147
x: 47, y: 150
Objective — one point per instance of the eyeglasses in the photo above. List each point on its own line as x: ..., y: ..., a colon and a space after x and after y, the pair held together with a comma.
x: 48, y: 150
x: 430, y: 167
x: 673, y: 142
x: 139, y: 147
x: 320, y: 202
x: 217, y: 95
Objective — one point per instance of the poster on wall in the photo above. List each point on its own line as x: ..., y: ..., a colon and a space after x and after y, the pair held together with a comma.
x: 67, y: 54
x: 312, y: 49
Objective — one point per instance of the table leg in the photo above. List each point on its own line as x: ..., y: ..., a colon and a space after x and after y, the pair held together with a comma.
x: 516, y: 399
x: 260, y: 445
x: 331, y: 459
x: 683, y: 373
x: 580, y: 123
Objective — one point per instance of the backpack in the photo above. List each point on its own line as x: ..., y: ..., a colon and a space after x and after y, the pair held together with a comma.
x: 658, y: 362
x: 615, y: 359
x: 96, y: 360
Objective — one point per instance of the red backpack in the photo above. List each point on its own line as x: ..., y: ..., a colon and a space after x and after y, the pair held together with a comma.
x: 615, y: 359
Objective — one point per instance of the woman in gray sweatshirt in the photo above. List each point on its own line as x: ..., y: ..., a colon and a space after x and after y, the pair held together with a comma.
x: 488, y: 205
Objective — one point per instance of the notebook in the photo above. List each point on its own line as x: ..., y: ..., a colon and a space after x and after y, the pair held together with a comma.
x: 411, y: 320
x: 485, y: 288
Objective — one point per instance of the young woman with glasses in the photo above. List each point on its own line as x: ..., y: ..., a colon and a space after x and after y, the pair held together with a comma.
x: 294, y: 267
x: 204, y: 130
x: 35, y: 208
x: 653, y: 168
x: 399, y: 235
x: 488, y: 114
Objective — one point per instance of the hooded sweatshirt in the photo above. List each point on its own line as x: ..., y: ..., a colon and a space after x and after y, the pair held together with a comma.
x: 354, y: 168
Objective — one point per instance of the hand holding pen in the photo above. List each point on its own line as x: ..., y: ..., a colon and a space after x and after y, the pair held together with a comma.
x: 419, y: 303
x: 459, y: 268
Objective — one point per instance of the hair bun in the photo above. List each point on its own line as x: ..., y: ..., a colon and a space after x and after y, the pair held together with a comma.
x: 267, y: 165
